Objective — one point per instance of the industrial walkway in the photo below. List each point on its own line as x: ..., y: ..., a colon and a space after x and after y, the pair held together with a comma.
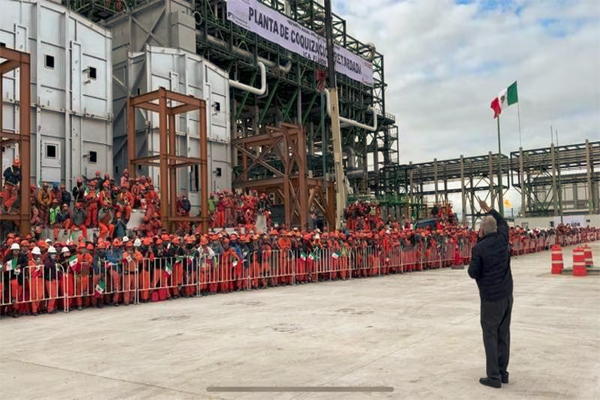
x: 418, y: 333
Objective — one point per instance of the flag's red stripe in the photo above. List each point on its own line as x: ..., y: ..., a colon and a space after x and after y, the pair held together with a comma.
x: 495, y: 105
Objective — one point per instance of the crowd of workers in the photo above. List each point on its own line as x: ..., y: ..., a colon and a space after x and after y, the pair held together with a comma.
x: 42, y: 276
x: 101, y: 202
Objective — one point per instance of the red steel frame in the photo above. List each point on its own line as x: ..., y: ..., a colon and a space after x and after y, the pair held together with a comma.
x: 15, y: 59
x: 168, y: 161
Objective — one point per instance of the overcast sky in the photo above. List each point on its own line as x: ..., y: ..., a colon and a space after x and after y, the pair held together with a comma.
x: 445, y: 60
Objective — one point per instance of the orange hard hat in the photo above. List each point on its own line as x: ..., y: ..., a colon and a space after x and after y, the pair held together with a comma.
x: 90, y: 247
x: 16, y: 162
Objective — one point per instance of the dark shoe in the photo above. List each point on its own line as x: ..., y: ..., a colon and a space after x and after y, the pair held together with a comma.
x: 490, y: 382
x: 35, y: 314
x: 505, y: 378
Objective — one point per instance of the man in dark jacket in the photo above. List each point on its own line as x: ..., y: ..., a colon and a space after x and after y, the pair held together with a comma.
x: 490, y: 267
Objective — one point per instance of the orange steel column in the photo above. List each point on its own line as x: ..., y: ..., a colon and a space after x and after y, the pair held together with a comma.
x: 131, y: 145
x: 172, y: 169
x: 163, y: 157
x: 24, y: 142
x: 302, y: 175
x: 203, y: 168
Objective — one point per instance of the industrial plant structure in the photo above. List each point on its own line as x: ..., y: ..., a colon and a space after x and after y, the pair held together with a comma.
x: 259, y: 68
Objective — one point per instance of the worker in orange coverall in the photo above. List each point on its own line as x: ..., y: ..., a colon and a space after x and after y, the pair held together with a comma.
x: 82, y: 275
x: 107, y: 228
x: 91, y: 199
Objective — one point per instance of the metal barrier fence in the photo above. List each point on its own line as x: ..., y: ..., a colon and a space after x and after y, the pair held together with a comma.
x: 136, y: 280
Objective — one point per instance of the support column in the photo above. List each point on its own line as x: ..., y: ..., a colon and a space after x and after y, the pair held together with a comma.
x: 522, y: 181
x: 131, y: 144
x: 554, y: 188
x: 203, y: 167
x: 462, y: 190
x: 163, y: 157
x: 411, y: 183
x: 591, y: 192
x: 172, y: 169
x: 435, y: 179
x: 302, y: 184
x: 472, y: 201
x: 445, y: 184
x: 24, y: 142
x: 491, y: 177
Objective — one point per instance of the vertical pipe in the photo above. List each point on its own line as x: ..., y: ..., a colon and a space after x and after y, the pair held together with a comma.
x: 163, y: 157
x: 131, y: 145
x: 24, y: 142
x: 203, y: 167
x: 172, y: 169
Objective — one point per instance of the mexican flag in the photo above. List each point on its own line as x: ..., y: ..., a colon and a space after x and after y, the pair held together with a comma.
x: 100, y: 288
x: 74, y: 264
x: 168, y: 269
x: 335, y: 255
x: 506, y: 98
x: 11, y: 265
x: 303, y: 256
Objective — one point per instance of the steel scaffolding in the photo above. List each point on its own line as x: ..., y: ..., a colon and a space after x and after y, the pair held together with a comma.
x: 478, y: 177
x: 557, y: 180
x: 292, y: 96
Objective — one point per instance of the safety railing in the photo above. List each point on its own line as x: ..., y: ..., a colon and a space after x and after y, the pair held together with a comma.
x: 83, y: 282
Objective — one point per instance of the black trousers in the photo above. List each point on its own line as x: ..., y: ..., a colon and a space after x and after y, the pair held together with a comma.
x: 495, y: 323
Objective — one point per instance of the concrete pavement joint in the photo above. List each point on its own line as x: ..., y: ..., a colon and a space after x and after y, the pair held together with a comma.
x: 116, y: 379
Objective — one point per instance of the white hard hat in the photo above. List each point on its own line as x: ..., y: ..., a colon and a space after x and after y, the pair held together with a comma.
x: 125, y: 239
x: 48, y: 241
x: 52, y: 250
x: 137, y: 242
x: 15, y: 246
x: 36, y: 251
x: 65, y: 250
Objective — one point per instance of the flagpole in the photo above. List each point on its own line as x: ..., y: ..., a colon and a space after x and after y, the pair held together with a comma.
x: 519, y: 116
x: 500, y: 194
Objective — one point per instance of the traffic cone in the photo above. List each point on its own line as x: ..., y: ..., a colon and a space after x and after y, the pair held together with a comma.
x: 579, y: 262
x: 557, y: 260
x: 589, y: 261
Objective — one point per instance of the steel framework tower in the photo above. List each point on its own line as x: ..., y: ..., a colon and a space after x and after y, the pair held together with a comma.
x: 293, y: 94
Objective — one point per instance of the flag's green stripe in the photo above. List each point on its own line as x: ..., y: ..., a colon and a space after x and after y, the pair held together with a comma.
x: 511, y: 94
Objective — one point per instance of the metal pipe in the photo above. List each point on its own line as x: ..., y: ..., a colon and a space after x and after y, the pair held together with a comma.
x: 248, y: 88
x: 243, y: 53
x: 352, y: 122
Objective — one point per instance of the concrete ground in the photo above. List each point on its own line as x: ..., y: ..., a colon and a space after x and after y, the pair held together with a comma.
x: 418, y: 333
